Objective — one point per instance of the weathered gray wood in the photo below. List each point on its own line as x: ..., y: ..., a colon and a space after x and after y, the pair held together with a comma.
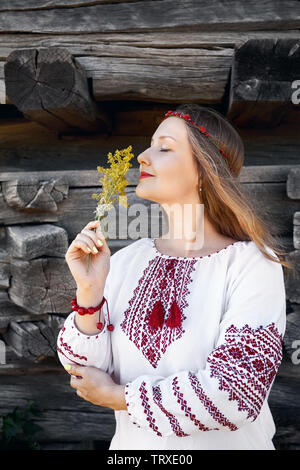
x: 124, y: 44
x: 297, y: 218
x: 49, y: 86
x: 293, y: 183
x: 32, y: 195
x: 34, y: 340
x: 3, y: 297
x: 291, y: 339
x: 2, y: 85
x: 91, y: 178
x: 17, y: 366
x: 261, y: 82
x: 108, y: 60
x: 8, y: 5
x: 296, y: 237
x: 293, y: 281
x: 62, y: 408
x: 4, y: 275
x: 43, y: 285
x: 285, y: 408
x: 186, y: 77
x: 133, y: 126
x: 78, y: 209
x: 34, y: 241
x: 296, y: 232
x: 146, y: 16
x: 12, y: 312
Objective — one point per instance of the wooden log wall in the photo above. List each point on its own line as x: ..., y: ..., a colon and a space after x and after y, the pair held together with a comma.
x: 117, y: 67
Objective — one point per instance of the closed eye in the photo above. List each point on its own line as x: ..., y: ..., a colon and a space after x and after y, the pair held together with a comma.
x: 164, y: 150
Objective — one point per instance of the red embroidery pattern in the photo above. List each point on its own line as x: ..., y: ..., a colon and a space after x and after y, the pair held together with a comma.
x: 66, y: 347
x: 157, y: 282
x: 172, y: 419
x: 185, y: 408
x: 71, y: 360
x: 147, y: 410
x: 246, y: 364
x: 206, y: 401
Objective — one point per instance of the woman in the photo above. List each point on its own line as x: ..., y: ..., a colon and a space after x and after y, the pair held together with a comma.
x: 193, y: 324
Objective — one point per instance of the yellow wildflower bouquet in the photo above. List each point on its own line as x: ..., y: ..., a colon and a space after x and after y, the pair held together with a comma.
x: 113, y: 184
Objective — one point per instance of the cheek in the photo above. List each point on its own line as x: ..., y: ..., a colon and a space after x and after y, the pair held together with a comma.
x: 173, y: 172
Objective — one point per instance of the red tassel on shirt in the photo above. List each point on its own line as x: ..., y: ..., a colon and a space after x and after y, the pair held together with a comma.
x: 156, y: 318
x: 174, y: 320
x: 157, y: 315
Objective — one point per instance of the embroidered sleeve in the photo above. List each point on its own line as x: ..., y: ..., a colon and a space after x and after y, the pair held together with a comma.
x: 75, y: 347
x: 230, y: 390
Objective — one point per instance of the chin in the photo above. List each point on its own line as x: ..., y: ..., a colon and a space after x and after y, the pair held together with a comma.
x: 139, y: 192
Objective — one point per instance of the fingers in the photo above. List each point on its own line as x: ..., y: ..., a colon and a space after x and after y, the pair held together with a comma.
x: 89, y: 240
x: 95, y: 237
x: 74, y: 369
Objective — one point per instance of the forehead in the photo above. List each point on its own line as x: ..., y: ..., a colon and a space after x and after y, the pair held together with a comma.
x: 173, y: 127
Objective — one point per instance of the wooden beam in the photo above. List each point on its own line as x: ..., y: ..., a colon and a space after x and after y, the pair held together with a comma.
x: 296, y: 234
x: 261, y: 88
x: 2, y: 85
x: 34, y: 340
x: 179, y: 15
x: 293, y: 183
x: 62, y: 409
x: 42, y: 285
x: 50, y: 87
x: 90, y: 178
x: 293, y: 281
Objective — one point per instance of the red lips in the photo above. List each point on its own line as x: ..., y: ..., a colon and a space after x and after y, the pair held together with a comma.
x: 145, y: 175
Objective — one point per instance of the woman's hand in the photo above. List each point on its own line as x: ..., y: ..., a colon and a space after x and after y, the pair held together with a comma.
x: 96, y: 386
x: 84, y: 244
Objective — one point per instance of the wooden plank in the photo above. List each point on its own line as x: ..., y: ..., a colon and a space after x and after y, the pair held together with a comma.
x: 12, y: 312
x: 62, y: 408
x: 293, y: 281
x: 125, y: 44
x: 134, y: 125
x: 90, y: 178
x: 49, y: 4
x: 63, y: 104
x: 78, y: 209
x: 2, y: 85
x: 145, y: 15
x: 190, y: 76
x: 285, y: 408
x: 42, y: 285
x: 34, y: 340
x: 261, y: 83
x: 34, y: 241
x: 296, y: 233
x: 293, y: 184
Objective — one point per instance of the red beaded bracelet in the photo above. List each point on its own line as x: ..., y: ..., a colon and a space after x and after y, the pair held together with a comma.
x: 91, y: 311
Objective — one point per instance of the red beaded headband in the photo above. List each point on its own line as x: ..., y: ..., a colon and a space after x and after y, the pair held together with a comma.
x: 201, y: 129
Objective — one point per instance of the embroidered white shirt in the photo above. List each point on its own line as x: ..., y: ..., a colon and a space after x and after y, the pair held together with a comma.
x: 205, y: 383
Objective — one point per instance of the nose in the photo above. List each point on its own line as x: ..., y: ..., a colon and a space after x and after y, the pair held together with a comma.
x: 143, y: 158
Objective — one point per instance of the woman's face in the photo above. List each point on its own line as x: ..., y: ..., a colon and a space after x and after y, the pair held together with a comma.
x: 170, y: 161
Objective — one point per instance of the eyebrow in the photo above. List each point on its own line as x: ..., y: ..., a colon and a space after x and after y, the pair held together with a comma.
x: 162, y: 136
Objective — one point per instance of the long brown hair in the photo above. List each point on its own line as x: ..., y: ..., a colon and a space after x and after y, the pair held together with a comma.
x: 227, y: 205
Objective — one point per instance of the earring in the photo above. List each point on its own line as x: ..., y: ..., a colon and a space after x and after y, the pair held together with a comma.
x: 200, y: 189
